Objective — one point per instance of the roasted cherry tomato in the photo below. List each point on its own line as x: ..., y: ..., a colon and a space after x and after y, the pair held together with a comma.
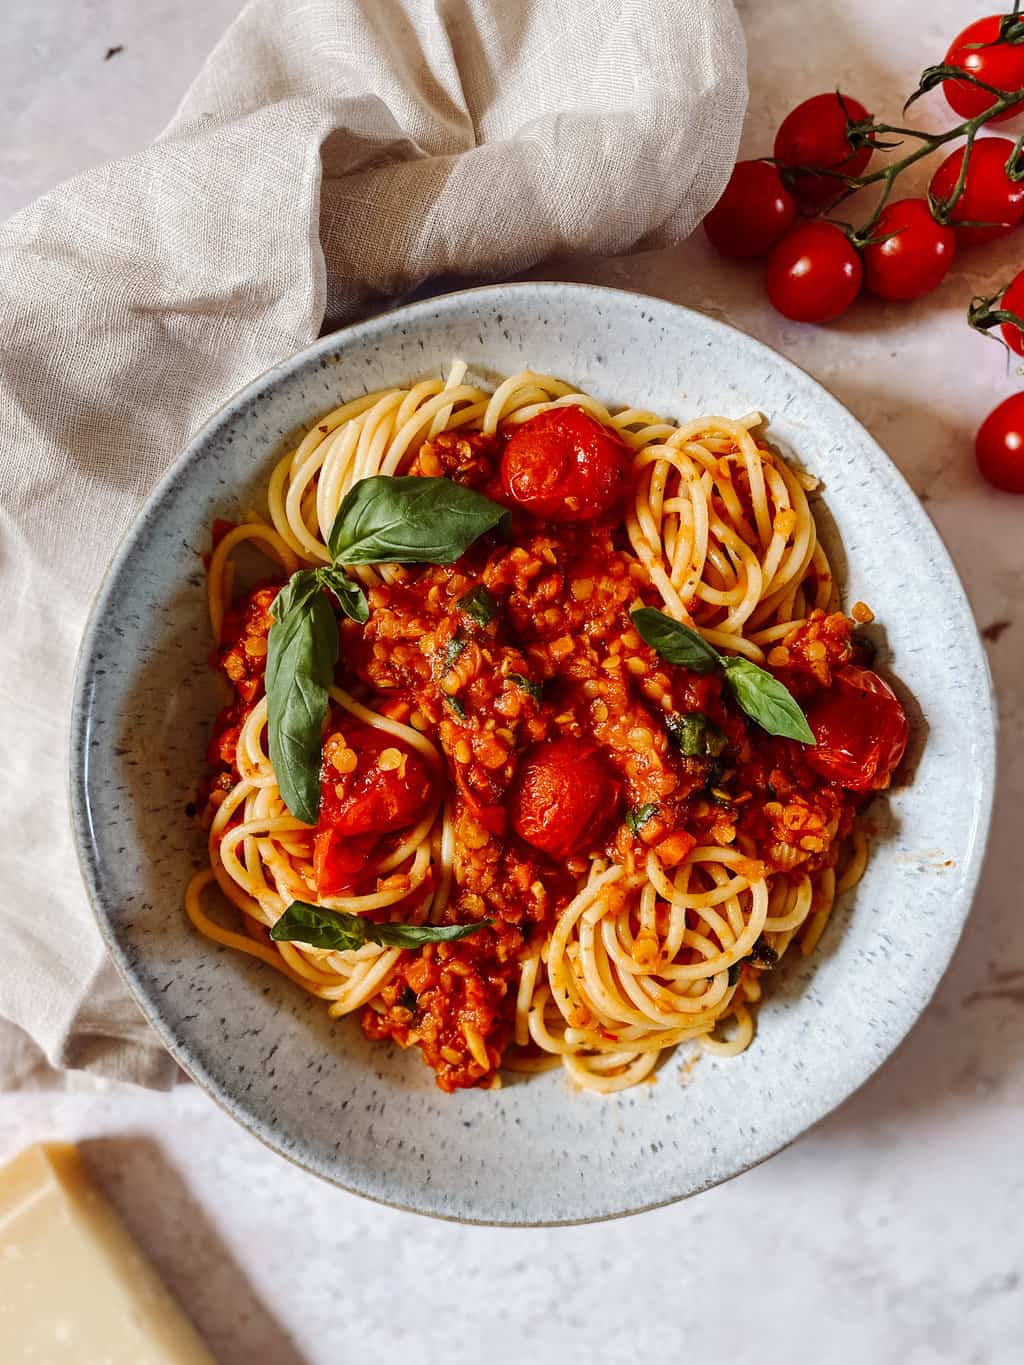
x: 989, y: 195
x: 860, y: 728
x: 1000, y: 445
x: 814, y: 273
x: 911, y: 254
x: 979, y: 51
x: 339, y: 862
x: 388, y: 788
x: 813, y: 136
x: 755, y: 210
x: 564, y: 465
x: 563, y: 797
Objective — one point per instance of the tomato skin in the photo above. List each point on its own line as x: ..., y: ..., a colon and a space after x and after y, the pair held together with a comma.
x: 915, y: 258
x: 1001, y: 64
x: 860, y: 728
x: 999, y: 448
x: 563, y: 797
x: 371, y: 799
x: 813, y: 135
x: 989, y: 196
x: 1013, y: 302
x: 814, y: 273
x: 754, y: 212
x: 565, y: 466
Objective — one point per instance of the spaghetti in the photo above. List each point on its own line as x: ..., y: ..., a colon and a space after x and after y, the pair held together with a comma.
x: 504, y: 746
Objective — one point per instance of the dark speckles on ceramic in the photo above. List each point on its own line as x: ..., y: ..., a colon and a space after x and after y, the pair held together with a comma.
x: 368, y: 1117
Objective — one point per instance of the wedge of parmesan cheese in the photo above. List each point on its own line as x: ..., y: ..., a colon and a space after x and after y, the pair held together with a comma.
x: 74, y: 1287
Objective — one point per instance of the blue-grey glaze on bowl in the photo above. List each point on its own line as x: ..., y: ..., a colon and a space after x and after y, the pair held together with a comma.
x: 369, y: 1117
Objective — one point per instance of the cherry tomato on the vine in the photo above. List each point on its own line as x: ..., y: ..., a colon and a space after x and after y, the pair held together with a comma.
x: 564, y: 465
x: 755, y: 210
x: 910, y: 252
x: 814, y: 273
x: 979, y: 51
x: 860, y: 730
x: 813, y: 137
x: 999, y: 448
x: 1013, y: 302
x: 989, y: 195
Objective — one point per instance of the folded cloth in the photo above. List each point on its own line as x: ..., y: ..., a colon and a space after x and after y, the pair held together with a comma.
x: 331, y: 155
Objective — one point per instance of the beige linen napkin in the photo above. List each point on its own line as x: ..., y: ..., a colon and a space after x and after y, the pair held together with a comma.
x: 332, y: 154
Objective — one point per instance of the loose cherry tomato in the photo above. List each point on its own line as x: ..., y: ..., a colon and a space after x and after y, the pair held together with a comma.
x: 1000, y: 445
x: 979, y: 51
x: 564, y: 465
x: 913, y: 253
x: 813, y: 137
x: 755, y: 210
x: 1013, y: 302
x: 563, y: 797
x: 388, y: 789
x: 989, y: 196
x: 860, y: 728
x: 814, y: 273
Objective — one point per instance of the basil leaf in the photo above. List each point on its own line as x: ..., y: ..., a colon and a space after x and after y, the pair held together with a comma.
x: 456, y: 706
x: 695, y: 735
x: 349, y: 593
x: 638, y: 817
x: 405, y: 520
x: 408, y: 999
x: 766, y: 700
x: 763, y: 954
x: 675, y: 642
x: 452, y: 650
x: 302, y: 650
x: 478, y: 605
x: 323, y: 928
x: 531, y: 688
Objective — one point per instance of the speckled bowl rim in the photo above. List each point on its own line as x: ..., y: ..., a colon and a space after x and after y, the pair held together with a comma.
x: 309, y: 358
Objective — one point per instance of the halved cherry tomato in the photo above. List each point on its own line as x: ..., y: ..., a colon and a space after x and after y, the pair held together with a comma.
x: 813, y: 136
x: 989, y: 195
x: 860, y: 730
x: 388, y: 789
x: 911, y: 254
x: 563, y: 797
x: 563, y: 465
x: 755, y: 210
x: 979, y: 51
x: 1000, y: 445
x: 814, y: 273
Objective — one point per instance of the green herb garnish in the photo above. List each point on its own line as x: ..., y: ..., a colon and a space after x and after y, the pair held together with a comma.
x: 406, y: 520
x: 532, y: 689
x: 638, y: 817
x: 408, y: 999
x: 695, y: 735
x: 381, y: 520
x: 452, y: 650
x: 478, y: 605
x: 762, y: 697
x: 323, y: 928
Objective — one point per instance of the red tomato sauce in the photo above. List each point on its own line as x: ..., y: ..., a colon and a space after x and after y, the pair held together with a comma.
x: 555, y: 721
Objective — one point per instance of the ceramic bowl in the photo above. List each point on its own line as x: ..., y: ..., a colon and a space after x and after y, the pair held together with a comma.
x: 368, y: 1117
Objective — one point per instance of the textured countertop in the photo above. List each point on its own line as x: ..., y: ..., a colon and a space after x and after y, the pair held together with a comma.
x: 891, y: 1232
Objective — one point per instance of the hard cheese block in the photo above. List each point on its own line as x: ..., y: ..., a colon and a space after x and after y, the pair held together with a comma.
x: 74, y: 1287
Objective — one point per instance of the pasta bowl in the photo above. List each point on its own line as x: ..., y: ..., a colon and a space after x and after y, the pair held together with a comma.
x: 535, y: 1151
